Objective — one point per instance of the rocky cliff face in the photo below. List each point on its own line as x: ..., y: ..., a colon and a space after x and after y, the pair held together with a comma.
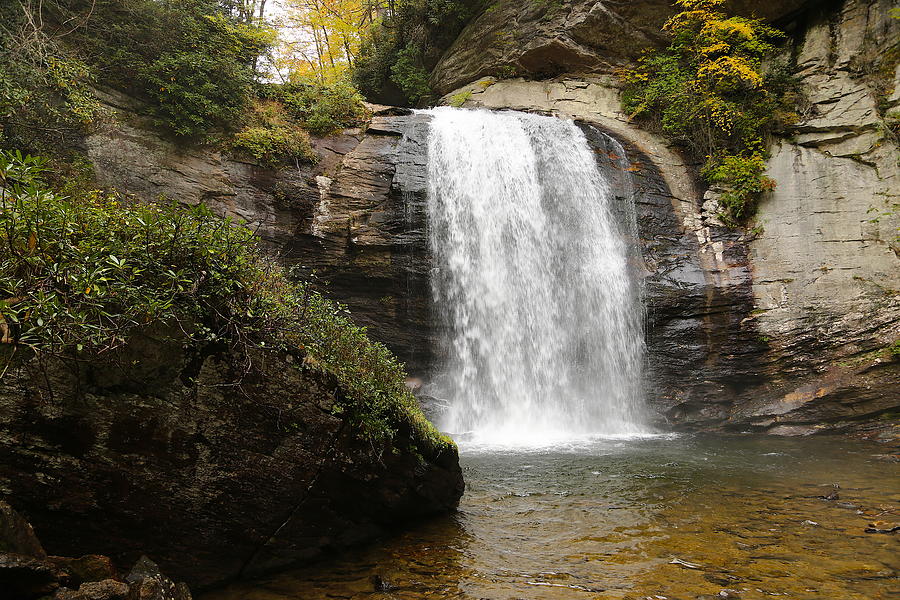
x: 826, y: 273
x: 537, y: 39
x: 354, y: 221
x: 783, y: 327
x: 215, y: 465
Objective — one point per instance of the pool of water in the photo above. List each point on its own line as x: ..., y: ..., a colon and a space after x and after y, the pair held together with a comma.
x: 661, y: 517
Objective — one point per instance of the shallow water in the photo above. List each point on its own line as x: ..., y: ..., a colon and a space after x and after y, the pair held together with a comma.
x: 607, y: 518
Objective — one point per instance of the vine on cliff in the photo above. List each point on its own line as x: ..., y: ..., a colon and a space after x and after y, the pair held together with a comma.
x: 710, y: 92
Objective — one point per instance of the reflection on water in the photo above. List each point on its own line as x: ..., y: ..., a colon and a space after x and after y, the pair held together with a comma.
x: 660, y: 517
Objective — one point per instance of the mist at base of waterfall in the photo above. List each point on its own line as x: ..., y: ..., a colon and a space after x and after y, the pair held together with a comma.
x: 563, y: 442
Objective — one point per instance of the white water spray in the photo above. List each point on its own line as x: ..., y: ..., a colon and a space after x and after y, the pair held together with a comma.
x: 541, y: 318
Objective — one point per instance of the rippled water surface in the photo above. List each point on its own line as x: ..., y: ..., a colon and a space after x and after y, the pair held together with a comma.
x: 670, y: 517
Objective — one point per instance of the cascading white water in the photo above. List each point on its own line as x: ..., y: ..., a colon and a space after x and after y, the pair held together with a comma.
x: 541, y: 317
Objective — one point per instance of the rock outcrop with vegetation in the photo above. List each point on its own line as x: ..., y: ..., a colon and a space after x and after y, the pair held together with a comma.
x: 167, y: 390
x: 354, y: 220
x: 540, y: 39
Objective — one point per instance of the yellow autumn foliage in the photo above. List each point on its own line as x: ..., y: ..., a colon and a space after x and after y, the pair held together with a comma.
x: 729, y: 73
x: 710, y: 91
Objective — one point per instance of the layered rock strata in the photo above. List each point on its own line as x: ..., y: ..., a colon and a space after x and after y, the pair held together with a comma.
x: 354, y: 221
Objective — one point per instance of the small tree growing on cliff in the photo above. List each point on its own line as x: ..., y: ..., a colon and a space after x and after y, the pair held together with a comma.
x: 708, y: 90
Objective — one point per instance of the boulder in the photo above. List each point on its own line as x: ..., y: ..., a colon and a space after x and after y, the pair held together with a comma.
x: 146, y: 582
x: 25, y: 571
x: 88, y: 568
x: 107, y: 589
x: 170, y: 452
x: 25, y: 577
x: 30, y: 574
x: 17, y: 535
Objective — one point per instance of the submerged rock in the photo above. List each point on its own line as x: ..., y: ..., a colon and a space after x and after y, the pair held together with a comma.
x: 882, y: 527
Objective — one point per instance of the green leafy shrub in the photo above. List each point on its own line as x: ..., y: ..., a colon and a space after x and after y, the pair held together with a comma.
x: 192, y: 92
x: 400, y: 50
x: 410, y: 75
x: 743, y: 177
x: 709, y: 91
x: 320, y: 108
x: 84, y: 275
x: 46, y: 101
x: 191, y: 61
x: 272, y: 137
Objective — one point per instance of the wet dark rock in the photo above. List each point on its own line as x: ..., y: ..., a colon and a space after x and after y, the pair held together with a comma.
x: 242, y: 480
x: 25, y: 571
x: 146, y: 582
x: 35, y: 576
x: 88, y: 568
x: 381, y: 585
x: 27, y: 577
x: 434, y: 408
x: 17, y: 535
x: 702, y: 350
x: 108, y: 589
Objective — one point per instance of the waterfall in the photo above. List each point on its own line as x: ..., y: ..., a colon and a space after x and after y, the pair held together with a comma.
x: 540, y: 314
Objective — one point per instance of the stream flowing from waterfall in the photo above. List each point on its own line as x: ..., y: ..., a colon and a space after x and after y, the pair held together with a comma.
x: 652, y: 518
x: 540, y: 311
